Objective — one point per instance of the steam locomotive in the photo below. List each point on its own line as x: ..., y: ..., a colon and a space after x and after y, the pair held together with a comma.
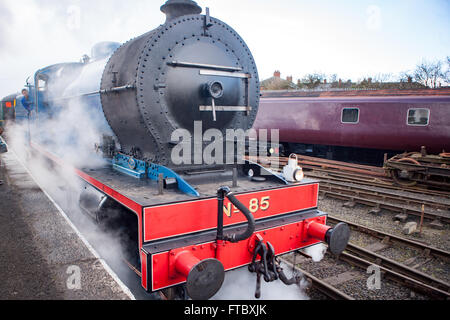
x: 150, y: 102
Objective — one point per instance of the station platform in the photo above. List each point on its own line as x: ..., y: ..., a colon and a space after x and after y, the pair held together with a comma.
x: 42, y: 255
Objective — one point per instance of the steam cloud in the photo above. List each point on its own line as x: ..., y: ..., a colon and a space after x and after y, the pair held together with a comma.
x: 240, y: 284
x: 317, y: 252
x: 71, y: 135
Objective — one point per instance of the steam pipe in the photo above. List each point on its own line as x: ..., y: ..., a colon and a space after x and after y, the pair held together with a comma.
x: 104, y: 91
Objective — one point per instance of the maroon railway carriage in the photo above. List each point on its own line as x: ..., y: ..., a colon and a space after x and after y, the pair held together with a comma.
x: 391, y: 121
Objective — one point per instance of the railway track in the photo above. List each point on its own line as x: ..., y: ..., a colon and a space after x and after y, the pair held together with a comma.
x: 397, y: 272
x: 350, y: 172
x: 320, y: 164
x: 390, y: 238
x: 401, y: 274
x: 332, y: 165
x: 320, y: 285
x: 425, y: 250
x: 376, y: 182
x: 396, y: 196
x: 389, y: 269
x: 370, y: 186
x: 410, y: 204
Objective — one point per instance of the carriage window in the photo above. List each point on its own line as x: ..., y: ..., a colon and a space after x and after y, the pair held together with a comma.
x: 350, y: 115
x: 418, y: 117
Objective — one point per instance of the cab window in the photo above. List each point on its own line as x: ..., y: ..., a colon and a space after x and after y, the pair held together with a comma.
x: 42, y: 85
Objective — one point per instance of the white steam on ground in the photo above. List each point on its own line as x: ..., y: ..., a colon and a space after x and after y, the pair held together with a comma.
x: 317, y: 252
x: 240, y: 284
x: 72, y: 136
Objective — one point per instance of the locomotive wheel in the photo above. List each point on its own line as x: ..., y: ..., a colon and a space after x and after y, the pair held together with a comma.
x: 402, y: 181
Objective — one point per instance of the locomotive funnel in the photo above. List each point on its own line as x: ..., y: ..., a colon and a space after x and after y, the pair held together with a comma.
x: 204, y: 278
x: 177, y: 8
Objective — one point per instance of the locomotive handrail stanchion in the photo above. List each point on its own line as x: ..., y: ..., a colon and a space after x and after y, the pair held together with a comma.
x: 220, y: 198
x: 221, y: 194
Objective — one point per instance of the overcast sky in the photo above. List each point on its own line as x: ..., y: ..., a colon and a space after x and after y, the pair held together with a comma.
x: 352, y: 38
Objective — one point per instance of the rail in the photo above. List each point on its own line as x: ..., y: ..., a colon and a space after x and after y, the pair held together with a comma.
x: 320, y: 285
x: 428, y: 250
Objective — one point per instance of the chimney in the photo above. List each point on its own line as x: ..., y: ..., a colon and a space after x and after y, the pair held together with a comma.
x: 277, y: 74
x: 340, y: 82
x: 289, y: 78
x: 369, y: 80
x: 177, y: 8
x: 324, y: 81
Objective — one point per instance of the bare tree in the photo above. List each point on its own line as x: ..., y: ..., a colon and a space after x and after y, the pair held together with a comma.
x: 406, y: 76
x: 382, y: 77
x: 422, y: 73
x: 333, y: 77
x: 437, y: 74
x: 447, y: 73
x: 312, y: 80
x: 429, y: 74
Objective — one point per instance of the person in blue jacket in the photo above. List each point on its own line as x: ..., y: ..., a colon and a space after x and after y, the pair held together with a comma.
x: 3, y: 148
x: 27, y: 104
